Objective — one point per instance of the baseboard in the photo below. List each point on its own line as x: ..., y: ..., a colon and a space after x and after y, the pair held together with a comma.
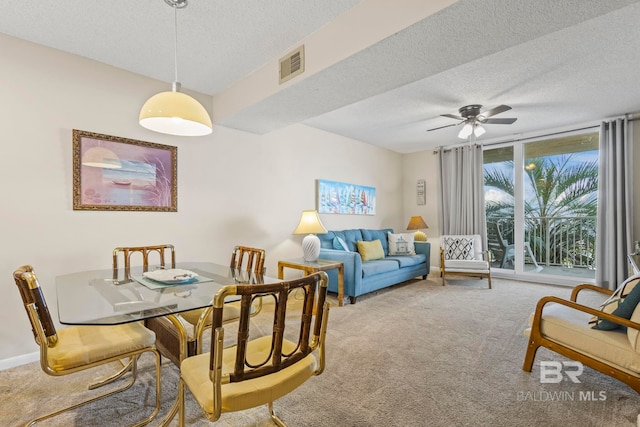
x: 12, y: 362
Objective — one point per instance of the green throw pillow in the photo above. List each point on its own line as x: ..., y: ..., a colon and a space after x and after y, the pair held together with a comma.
x: 624, y: 302
x: 340, y: 244
x: 370, y: 250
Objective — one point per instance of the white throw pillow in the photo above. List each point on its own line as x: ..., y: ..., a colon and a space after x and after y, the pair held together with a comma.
x: 401, y: 244
x: 459, y: 248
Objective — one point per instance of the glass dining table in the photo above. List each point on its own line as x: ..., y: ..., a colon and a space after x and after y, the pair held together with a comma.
x: 112, y: 297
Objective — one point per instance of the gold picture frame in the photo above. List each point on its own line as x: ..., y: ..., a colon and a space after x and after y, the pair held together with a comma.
x: 111, y: 173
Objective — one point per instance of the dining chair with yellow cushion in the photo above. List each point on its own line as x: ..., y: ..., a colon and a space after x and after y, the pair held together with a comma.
x: 162, y: 252
x: 248, y: 264
x: 78, y: 348
x: 260, y: 368
x: 163, y: 255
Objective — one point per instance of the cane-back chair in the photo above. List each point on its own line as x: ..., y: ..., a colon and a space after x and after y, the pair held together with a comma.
x: 164, y: 256
x: 78, y: 348
x: 162, y: 252
x: 247, y: 264
x: 258, y: 370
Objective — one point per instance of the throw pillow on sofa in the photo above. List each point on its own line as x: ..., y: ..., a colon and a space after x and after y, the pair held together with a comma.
x: 401, y: 244
x: 370, y: 250
x: 621, y: 303
x: 340, y: 244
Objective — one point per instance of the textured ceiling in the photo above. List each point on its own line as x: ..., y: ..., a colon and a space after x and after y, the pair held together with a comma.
x: 557, y: 63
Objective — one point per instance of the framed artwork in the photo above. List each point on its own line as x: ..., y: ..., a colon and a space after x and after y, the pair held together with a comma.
x: 341, y: 198
x: 120, y: 174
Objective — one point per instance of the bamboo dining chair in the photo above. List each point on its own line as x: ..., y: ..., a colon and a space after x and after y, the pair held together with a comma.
x: 246, y: 263
x: 78, y: 348
x: 257, y: 371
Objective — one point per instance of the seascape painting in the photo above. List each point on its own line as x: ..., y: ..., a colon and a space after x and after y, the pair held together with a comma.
x: 341, y: 198
x: 112, y: 173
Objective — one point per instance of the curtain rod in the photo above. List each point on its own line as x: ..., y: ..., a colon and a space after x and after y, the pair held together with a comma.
x: 629, y: 116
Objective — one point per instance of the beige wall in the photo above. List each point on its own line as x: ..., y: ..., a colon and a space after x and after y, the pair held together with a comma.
x: 233, y: 187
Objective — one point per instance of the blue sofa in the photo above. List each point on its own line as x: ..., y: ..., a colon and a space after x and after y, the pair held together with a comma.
x: 364, y: 277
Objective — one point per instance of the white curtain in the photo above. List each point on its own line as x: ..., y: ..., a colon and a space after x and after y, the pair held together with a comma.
x: 615, y: 203
x: 462, y: 191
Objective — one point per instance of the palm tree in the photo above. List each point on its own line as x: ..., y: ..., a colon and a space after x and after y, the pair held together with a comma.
x: 557, y: 190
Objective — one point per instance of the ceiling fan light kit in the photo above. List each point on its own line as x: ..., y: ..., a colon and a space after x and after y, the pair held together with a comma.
x: 473, y: 119
x: 174, y: 112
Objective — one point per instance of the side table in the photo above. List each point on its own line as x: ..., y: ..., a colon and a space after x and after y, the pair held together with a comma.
x: 310, y: 267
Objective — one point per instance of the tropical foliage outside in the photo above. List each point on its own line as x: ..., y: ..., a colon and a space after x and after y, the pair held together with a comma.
x: 560, y: 205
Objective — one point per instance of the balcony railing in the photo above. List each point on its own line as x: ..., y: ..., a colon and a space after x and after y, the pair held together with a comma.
x: 568, y: 242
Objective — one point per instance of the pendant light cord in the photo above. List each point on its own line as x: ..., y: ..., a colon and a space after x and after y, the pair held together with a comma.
x: 175, y: 47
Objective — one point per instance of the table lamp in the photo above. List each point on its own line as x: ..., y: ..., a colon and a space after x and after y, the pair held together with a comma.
x: 310, y: 225
x: 417, y: 223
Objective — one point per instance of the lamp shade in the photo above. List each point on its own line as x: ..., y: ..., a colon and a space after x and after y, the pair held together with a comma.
x: 175, y: 113
x: 466, y: 131
x: 417, y: 223
x: 310, y: 224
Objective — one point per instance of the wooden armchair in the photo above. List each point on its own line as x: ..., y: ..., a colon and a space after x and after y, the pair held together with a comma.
x: 563, y: 326
x: 78, y: 348
x: 463, y: 255
x: 262, y: 369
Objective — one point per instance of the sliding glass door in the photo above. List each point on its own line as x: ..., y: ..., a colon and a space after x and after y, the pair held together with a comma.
x: 541, y: 204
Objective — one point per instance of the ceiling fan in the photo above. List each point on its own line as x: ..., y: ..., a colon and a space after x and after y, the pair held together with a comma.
x: 472, y: 118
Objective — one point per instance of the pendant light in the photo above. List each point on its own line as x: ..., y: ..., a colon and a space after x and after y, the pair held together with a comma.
x: 174, y: 112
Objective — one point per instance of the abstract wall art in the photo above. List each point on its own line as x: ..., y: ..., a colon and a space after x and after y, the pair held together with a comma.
x: 335, y: 197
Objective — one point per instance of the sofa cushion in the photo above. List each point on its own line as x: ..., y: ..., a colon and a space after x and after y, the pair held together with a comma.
x: 401, y: 244
x: 370, y: 250
x: 369, y: 234
x: 459, y: 248
x: 621, y: 303
x: 408, y: 260
x: 371, y: 268
x: 340, y: 244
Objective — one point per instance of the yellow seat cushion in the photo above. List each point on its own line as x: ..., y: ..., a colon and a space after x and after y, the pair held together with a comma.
x: 249, y: 393
x: 81, y: 345
x: 231, y: 311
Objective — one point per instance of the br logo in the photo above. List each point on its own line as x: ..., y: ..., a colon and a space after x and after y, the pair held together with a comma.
x: 553, y: 372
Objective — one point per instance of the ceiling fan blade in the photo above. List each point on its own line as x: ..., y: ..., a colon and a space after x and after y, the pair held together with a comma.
x: 442, y: 127
x: 495, y: 110
x: 453, y: 116
x: 499, y: 121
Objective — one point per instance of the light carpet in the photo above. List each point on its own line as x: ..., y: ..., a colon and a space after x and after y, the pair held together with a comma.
x: 416, y: 354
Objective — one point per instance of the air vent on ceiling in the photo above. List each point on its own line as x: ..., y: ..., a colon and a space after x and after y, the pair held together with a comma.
x: 292, y: 64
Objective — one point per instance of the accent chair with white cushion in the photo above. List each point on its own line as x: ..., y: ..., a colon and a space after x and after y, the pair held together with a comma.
x: 606, y: 339
x: 463, y: 255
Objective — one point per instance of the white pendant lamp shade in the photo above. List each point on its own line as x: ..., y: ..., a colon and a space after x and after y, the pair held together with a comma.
x: 309, y: 224
x: 175, y: 113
